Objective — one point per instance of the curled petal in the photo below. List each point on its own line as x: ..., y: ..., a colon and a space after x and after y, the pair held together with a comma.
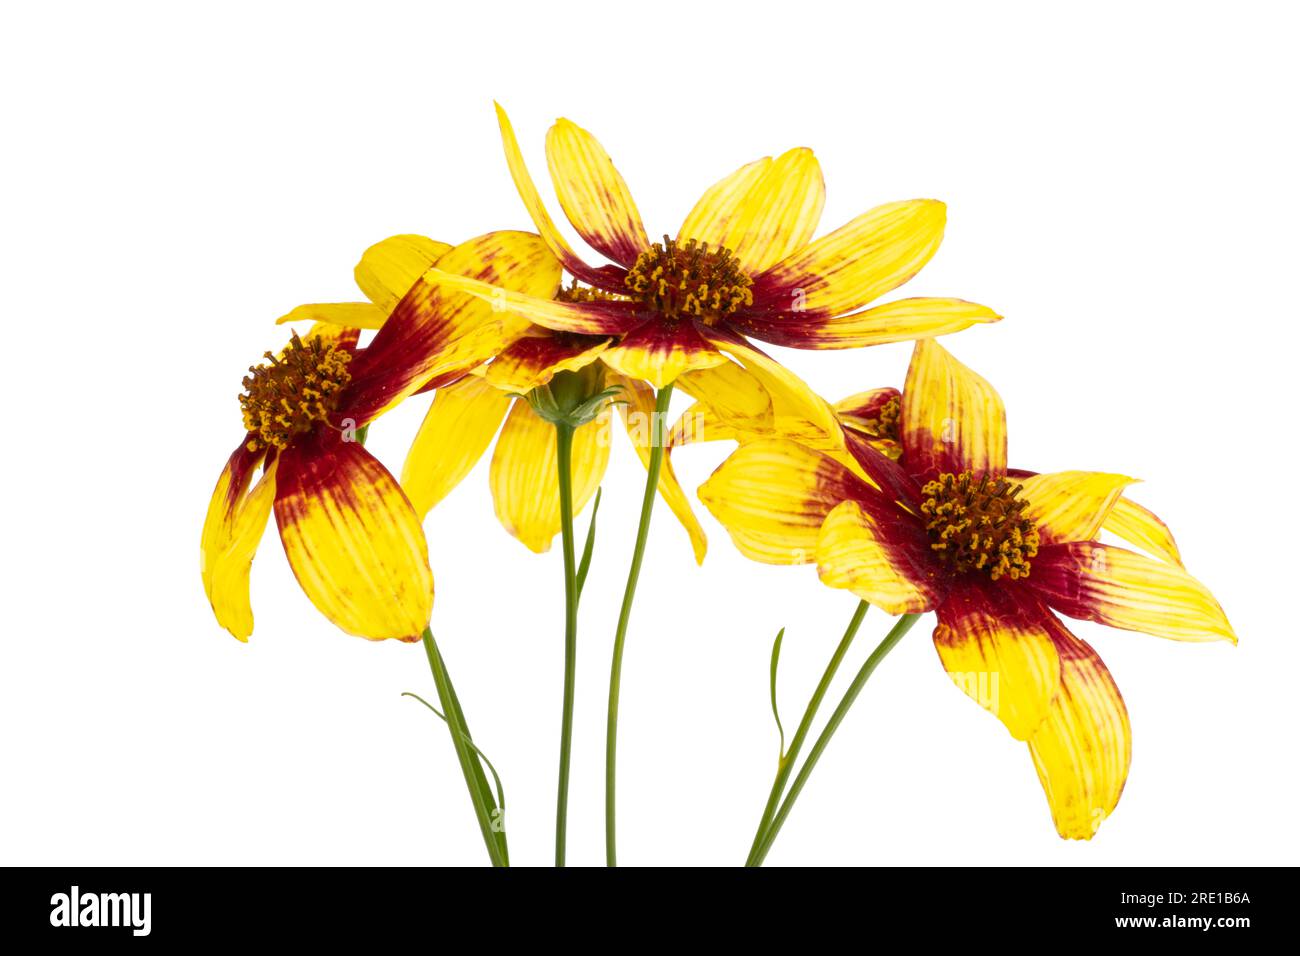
x: 455, y: 433
x: 998, y: 648
x: 857, y: 263
x: 861, y: 411
x: 353, y: 539
x: 952, y: 419
x: 232, y: 530
x: 658, y: 353
x: 730, y: 397
x: 525, y: 477
x: 880, y: 554
x: 1097, y: 582
x: 772, y: 496
x: 1071, y: 505
x: 1083, y: 748
x: 534, y: 359
x: 593, y: 194
x: 390, y: 267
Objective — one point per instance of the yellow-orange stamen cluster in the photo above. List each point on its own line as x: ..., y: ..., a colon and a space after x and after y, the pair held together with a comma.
x: 690, y: 280
x: 887, y: 419
x: 979, y: 525
x: 292, y: 391
x: 581, y: 293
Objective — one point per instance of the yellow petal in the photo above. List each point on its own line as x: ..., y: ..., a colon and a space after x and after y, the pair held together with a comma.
x: 1083, y: 748
x: 1000, y: 652
x: 899, y: 321
x: 659, y: 353
x: 730, y: 397
x: 534, y: 359
x: 353, y: 540
x: 772, y: 496
x: 455, y: 433
x: 233, y: 529
x: 1071, y: 505
x: 348, y: 315
x: 585, y: 318
x: 881, y: 561
x: 1096, y: 582
x: 390, y: 267
x: 638, y: 417
x: 952, y: 420
x: 1136, y: 525
x: 778, y: 214
x: 859, y: 262
x: 723, y: 205
x: 525, y: 478
x: 593, y: 194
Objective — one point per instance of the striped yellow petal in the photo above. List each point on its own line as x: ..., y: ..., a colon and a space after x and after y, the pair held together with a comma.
x: 350, y: 315
x: 1097, y: 582
x: 882, y: 557
x: 952, y: 419
x: 524, y: 476
x: 389, y: 268
x: 723, y: 205
x: 232, y: 530
x: 1071, y: 505
x: 455, y: 433
x: 592, y: 193
x: 859, y: 262
x: 353, y: 540
x: 638, y: 417
x: 658, y: 353
x: 899, y: 321
x: 535, y: 359
x: 1138, y: 526
x: 730, y: 397
x: 1083, y: 748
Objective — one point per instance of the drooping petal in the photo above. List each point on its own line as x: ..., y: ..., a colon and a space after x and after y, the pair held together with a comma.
x: 353, y: 539
x: 524, y: 476
x: 772, y: 496
x: 698, y: 424
x: 953, y: 420
x: 857, y: 263
x: 1109, y: 585
x: 731, y: 397
x: 232, y: 530
x: 434, y: 330
x: 1083, y: 748
x: 723, y: 205
x: 592, y: 193
x: 349, y: 315
x: 638, y: 417
x: 584, y: 318
x: 559, y: 246
x: 777, y: 215
x: 390, y: 267
x: 658, y: 353
x: 1071, y: 505
x: 455, y: 433
x: 1138, y: 526
x: 799, y: 412
x: 898, y: 321
x: 534, y: 359
x: 881, y: 555
x: 998, y: 648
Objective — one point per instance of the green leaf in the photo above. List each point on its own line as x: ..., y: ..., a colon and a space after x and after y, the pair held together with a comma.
x: 501, y: 793
x: 776, y: 659
x: 585, y: 564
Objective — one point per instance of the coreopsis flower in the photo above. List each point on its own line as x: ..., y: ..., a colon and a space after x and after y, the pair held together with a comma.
x: 742, y: 264
x: 348, y: 530
x: 997, y: 557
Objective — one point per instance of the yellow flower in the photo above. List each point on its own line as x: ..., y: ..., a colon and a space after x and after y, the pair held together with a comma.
x: 348, y: 530
x: 742, y: 264
x: 993, y: 554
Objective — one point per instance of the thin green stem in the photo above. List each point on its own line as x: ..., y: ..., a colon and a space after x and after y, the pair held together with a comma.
x: 786, y: 764
x: 901, y: 627
x: 564, y: 456
x: 469, y: 766
x: 653, y: 467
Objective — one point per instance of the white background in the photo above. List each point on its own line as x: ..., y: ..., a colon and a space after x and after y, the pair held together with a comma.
x: 1121, y: 185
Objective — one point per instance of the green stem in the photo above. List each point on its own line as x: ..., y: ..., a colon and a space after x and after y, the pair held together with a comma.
x: 901, y: 627
x: 564, y: 456
x: 460, y: 739
x: 653, y: 467
x: 787, y: 761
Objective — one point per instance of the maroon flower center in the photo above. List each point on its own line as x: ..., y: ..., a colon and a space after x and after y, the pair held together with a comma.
x: 978, y: 524
x: 679, y: 280
x: 290, y: 392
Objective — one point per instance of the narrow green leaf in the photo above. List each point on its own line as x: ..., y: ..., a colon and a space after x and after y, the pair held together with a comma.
x: 501, y: 793
x: 776, y: 659
x: 585, y: 564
